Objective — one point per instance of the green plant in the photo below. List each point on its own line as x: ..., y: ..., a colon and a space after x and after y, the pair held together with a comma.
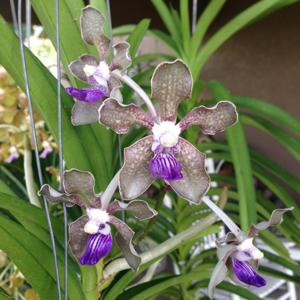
x: 95, y: 149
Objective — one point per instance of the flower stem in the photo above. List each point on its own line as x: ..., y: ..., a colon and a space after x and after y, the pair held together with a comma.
x: 109, y: 192
x: 29, y: 179
x: 151, y: 222
x: 162, y: 249
x: 126, y: 79
x: 224, y: 217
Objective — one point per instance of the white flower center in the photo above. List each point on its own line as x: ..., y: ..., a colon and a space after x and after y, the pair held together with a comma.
x: 102, y: 70
x: 97, y: 217
x: 89, y: 70
x: 247, y: 246
x: 13, y: 150
x: 166, y: 133
x: 46, y: 144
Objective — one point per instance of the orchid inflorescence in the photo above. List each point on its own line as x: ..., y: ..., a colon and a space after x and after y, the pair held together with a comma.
x: 15, y: 122
x: 162, y: 154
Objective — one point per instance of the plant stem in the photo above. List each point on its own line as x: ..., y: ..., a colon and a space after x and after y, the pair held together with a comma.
x: 110, y: 190
x: 158, y: 204
x: 224, y: 217
x: 174, y: 242
x: 126, y: 79
x: 29, y: 179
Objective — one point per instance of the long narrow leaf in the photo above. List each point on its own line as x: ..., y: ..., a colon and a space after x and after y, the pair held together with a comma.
x: 207, y: 17
x: 242, y: 165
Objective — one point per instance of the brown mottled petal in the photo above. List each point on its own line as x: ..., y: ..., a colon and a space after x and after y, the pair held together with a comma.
x: 81, y: 183
x: 124, y: 240
x: 275, y: 219
x: 121, y: 59
x: 77, y: 236
x: 54, y: 197
x: 135, y: 176
x: 195, y: 181
x: 170, y: 84
x: 91, y: 23
x: 85, y: 113
x: 121, y: 117
x: 211, y: 119
x: 141, y: 210
x: 76, y: 67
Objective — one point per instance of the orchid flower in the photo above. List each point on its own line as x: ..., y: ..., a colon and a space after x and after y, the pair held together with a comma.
x: 164, y: 154
x: 47, y: 149
x: 238, y: 255
x: 98, y: 74
x: 90, y: 235
x: 13, y: 154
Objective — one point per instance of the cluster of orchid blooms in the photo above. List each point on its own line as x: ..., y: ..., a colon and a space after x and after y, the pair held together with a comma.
x: 163, y: 154
x: 15, y: 121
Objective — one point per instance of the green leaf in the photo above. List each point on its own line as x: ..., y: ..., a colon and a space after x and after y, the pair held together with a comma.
x: 238, y: 290
x: 229, y: 29
x: 287, y: 263
x: 167, y: 18
x: 4, y: 188
x: 185, y: 24
x: 283, y: 137
x: 157, y: 286
x: 137, y: 35
x: 211, y: 11
x: 29, y: 253
x: 242, y: 165
x: 166, y: 39
x: 4, y: 297
x: 272, y: 240
x: 279, y: 274
x: 269, y: 110
x: 36, y: 238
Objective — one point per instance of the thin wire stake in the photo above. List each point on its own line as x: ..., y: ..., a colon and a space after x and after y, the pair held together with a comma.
x: 34, y: 140
x: 194, y: 15
x: 28, y: 22
x: 13, y: 14
x: 60, y: 148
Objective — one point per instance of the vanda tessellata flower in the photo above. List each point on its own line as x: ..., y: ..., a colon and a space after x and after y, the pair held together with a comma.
x: 90, y: 235
x: 96, y: 73
x: 164, y: 154
x: 238, y: 255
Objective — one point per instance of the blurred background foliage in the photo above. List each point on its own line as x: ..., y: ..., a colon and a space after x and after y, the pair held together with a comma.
x: 256, y: 183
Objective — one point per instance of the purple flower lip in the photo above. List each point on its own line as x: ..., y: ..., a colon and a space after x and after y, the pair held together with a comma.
x: 86, y: 95
x: 97, y: 246
x: 165, y: 166
x: 246, y: 274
